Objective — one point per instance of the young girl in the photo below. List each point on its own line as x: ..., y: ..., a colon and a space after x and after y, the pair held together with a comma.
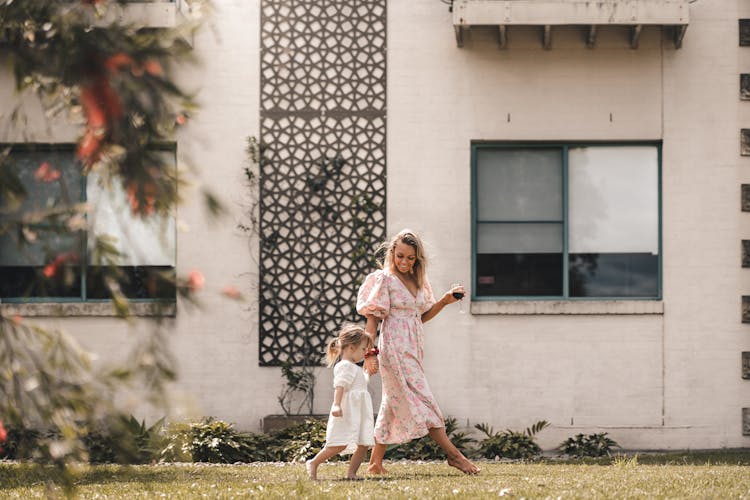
x: 350, y: 424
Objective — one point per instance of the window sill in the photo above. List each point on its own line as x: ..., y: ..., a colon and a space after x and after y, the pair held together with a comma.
x: 142, y: 14
x: 527, y: 307
x: 74, y: 309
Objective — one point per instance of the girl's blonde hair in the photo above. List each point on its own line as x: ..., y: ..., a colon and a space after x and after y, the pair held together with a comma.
x: 350, y: 334
x: 410, y: 238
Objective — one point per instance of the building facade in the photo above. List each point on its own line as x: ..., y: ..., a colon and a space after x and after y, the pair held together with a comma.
x: 582, y: 170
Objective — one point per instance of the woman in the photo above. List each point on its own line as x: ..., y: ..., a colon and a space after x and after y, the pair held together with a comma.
x: 400, y: 295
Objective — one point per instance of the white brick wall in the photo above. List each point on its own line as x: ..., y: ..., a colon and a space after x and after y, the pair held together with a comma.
x: 582, y: 373
x: 651, y: 381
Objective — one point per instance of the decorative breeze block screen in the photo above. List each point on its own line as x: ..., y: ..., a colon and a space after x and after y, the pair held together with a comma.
x: 322, y: 175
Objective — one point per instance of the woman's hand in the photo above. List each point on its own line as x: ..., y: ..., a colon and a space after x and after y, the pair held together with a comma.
x: 371, y: 365
x: 448, y: 297
x: 336, y: 411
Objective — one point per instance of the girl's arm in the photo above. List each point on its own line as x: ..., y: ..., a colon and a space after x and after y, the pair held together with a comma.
x: 336, y: 407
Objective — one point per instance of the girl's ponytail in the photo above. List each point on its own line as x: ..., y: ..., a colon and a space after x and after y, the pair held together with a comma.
x: 350, y: 334
x: 333, y: 350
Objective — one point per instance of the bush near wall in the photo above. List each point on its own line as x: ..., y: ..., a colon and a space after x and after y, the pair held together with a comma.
x: 509, y: 443
x: 215, y: 441
x: 20, y: 443
x: 121, y: 440
x: 591, y: 445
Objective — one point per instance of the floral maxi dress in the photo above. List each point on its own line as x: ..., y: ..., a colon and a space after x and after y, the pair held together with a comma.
x: 407, y: 408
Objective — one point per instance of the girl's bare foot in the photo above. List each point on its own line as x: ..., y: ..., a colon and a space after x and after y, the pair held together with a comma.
x: 376, y: 469
x: 312, y: 470
x: 463, y: 464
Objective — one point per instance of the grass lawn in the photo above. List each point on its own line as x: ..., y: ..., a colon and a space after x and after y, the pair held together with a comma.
x: 696, y: 475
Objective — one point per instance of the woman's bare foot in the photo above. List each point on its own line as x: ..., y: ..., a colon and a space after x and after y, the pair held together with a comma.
x: 312, y: 470
x: 463, y: 464
x: 376, y: 469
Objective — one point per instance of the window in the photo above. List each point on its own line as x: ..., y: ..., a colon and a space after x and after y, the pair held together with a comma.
x: 566, y: 221
x: 147, y: 246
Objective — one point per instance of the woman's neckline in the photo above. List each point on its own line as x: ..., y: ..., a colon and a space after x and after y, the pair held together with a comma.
x: 414, y: 296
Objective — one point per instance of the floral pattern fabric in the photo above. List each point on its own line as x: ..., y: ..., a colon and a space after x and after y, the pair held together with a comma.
x: 407, y: 408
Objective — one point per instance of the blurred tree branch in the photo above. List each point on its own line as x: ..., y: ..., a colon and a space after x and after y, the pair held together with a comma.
x: 117, y: 82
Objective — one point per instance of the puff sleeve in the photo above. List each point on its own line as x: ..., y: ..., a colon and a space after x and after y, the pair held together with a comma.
x: 343, y: 374
x: 373, y: 298
x: 429, y: 297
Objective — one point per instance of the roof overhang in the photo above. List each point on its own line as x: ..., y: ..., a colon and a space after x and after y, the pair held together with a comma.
x: 635, y: 14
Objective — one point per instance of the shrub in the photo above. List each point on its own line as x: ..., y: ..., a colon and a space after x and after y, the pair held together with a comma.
x: 101, y: 447
x: 20, y: 443
x: 146, y: 441
x: 300, y: 442
x: 178, y: 443
x: 427, y: 449
x: 120, y: 440
x: 210, y: 440
x: 260, y: 448
x: 510, y: 444
x: 125, y: 441
x: 591, y: 445
x: 216, y: 441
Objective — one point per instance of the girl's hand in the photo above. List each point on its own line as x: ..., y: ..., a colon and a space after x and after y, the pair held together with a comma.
x: 371, y: 365
x: 448, y: 297
x: 336, y: 411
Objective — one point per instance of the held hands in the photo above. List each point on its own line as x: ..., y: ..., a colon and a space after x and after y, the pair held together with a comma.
x: 371, y: 365
x: 336, y: 411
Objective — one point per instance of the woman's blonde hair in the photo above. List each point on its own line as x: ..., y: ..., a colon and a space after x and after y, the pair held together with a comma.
x: 350, y: 334
x: 410, y: 238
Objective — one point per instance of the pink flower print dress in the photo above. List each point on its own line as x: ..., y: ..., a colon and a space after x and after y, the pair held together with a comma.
x: 354, y: 426
x: 407, y: 408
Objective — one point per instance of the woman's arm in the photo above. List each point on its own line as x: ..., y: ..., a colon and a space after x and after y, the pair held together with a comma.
x: 438, y: 306
x: 371, y: 364
x: 434, y: 310
x: 371, y: 328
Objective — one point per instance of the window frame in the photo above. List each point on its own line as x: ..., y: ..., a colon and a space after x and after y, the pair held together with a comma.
x: 27, y: 147
x: 564, y: 147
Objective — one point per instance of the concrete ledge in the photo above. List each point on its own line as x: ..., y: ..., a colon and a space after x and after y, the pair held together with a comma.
x: 74, y: 309
x: 570, y: 12
x: 568, y: 307
x: 149, y: 14
x: 143, y: 14
x: 273, y: 423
